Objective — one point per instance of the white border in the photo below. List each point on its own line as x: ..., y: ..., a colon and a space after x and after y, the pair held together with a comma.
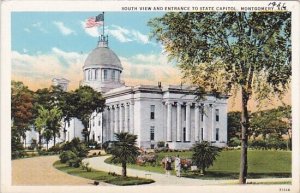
x: 54, y: 6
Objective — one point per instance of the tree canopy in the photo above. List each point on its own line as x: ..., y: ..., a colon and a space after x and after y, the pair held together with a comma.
x: 204, y: 155
x: 220, y: 52
x: 83, y: 102
x: 124, y: 150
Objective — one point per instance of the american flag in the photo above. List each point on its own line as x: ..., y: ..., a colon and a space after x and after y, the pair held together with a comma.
x: 94, y: 21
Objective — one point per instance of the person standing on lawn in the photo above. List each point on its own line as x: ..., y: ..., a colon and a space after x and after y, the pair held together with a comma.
x: 168, y: 166
x: 177, y: 166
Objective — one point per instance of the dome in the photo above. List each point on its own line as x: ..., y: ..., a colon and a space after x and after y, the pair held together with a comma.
x: 104, y: 57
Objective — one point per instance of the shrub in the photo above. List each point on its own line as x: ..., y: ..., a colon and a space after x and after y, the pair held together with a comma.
x: 55, y: 149
x: 44, y: 152
x: 258, y: 144
x: 234, y: 142
x: 75, y: 162
x: 33, y: 144
x: 66, y: 156
x: 18, y: 154
x: 77, y: 147
x: 160, y: 144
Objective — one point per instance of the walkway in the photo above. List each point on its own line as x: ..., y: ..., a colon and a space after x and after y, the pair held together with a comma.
x: 161, y: 179
x: 40, y: 171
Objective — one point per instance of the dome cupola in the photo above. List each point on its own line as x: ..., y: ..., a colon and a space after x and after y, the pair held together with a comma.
x: 102, y: 68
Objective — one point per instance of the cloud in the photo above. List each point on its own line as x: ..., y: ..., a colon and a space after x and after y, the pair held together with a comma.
x: 37, y: 70
x: 63, y: 29
x: 128, y: 35
x: 121, y: 34
x: 92, y: 31
x: 38, y: 26
x: 149, y: 69
x: 27, y: 30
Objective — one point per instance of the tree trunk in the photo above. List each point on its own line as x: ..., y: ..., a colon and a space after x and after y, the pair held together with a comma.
x: 244, y: 140
x: 203, y: 170
x: 47, y: 145
x: 54, y: 139
x: 124, y: 172
x: 40, y: 139
x: 289, y: 141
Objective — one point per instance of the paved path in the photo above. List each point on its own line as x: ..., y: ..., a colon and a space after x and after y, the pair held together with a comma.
x: 162, y: 179
x: 40, y: 171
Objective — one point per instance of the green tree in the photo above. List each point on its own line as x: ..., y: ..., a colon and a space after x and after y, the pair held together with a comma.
x: 47, y: 135
x: 221, y: 52
x: 124, y: 150
x: 275, y: 122
x: 21, y: 113
x: 204, y: 155
x: 48, y: 123
x: 53, y: 122
x: 40, y: 123
x: 85, y: 101
x: 234, y: 125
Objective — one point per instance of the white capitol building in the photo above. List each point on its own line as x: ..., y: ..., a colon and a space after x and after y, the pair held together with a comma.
x: 152, y: 112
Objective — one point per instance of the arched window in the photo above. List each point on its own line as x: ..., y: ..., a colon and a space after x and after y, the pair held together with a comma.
x: 113, y: 75
x: 90, y: 74
x: 104, y: 74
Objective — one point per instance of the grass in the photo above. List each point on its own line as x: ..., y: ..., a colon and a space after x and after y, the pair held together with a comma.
x: 261, y: 164
x: 101, y: 176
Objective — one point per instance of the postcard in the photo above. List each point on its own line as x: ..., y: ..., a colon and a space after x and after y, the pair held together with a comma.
x: 155, y: 96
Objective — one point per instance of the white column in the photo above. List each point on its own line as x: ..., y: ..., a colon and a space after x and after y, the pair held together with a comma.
x: 179, y: 125
x: 121, y: 118
x: 213, y: 133
x: 131, y: 117
x: 116, y: 120
x: 197, y: 133
x: 188, y: 122
x: 111, y: 120
x: 126, y: 118
x: 205, y: 130
x: 169, y: 121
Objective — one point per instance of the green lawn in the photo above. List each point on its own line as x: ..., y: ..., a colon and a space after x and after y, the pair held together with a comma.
x: 101, y: 176
x: 261, y: 164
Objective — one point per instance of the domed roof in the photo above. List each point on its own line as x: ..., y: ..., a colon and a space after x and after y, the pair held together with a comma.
x: 104, y: 57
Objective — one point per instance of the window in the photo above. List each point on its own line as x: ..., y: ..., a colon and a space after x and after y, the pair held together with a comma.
x: 99, y: 122
x: 152, y: 111
x: 184, y: 134
x: 152, y: 133
x: 201, y: 133
x: 113, y: 76
x: 217, y: 134
x: 105, y: 74
x: 217, y: 115
x: 89, y: 75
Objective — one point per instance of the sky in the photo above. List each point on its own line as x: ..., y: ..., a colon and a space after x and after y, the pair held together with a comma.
x: 55, y: 44
x: 46, y: 45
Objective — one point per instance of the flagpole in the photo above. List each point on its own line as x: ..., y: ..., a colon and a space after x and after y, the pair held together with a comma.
x: 103, y: 24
